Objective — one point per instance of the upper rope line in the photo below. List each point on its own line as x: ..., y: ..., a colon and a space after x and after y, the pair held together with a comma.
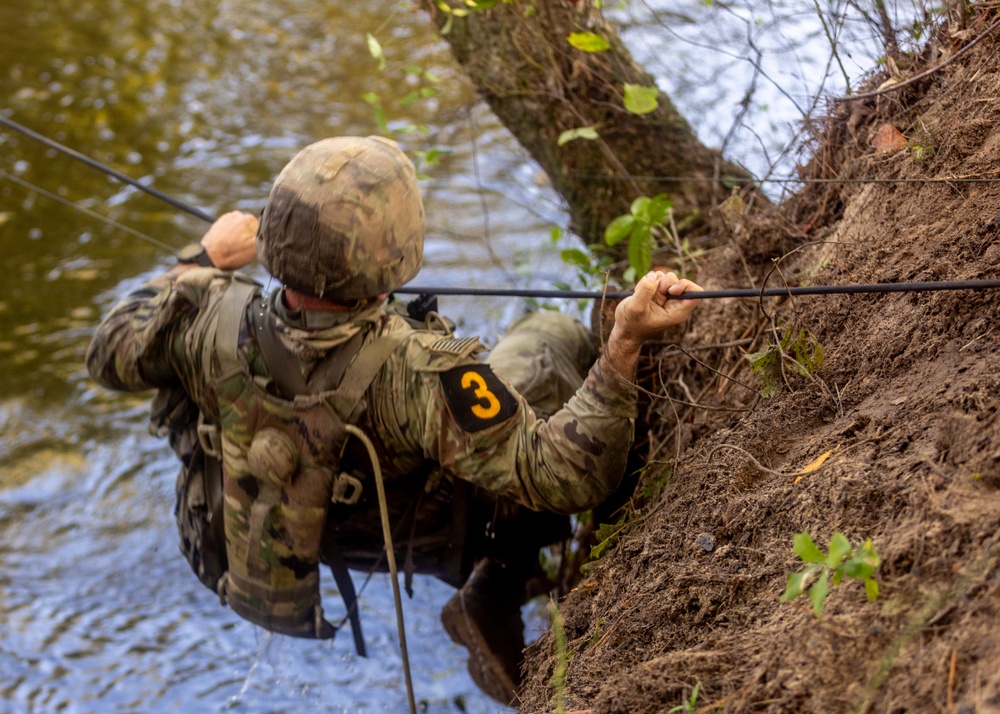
x: 926, y: 286
x: 187, y: 208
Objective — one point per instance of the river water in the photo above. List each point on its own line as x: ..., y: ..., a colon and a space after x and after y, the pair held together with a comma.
x: 206, y: 102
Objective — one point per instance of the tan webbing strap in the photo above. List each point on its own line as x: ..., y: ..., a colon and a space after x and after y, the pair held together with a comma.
x: 362, y: 372
x: 227, y: 331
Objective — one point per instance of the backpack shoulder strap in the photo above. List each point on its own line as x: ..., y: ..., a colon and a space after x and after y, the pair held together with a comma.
x: 362, y: 372
x: 282, y: 365
x: 231, y: 309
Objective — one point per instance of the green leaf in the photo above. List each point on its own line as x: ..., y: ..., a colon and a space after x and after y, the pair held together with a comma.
x: 640, y: 249
x: 818, y: 592
x: 804, y: 547
x: 794, y: 587
x: 840, y: 547
x: 871, y: 589
x: 375, y: 49
x: 433, y: 156
x: 797, y: 582
x: 759, y: 360
x: 640, y: 208
x: 607, y: 536
x: 575, y: 256
x: 428, y: 92
x: 583, y: 132
x: 857, y: 567
x: 588, y: 42
x: 618, y: 229
x: 409, y: 99
x: 371, y: 98
x: 555, y: 233
x: 869, y: 554
x: 413, y: 69
x: 448, y: 24
x: 432, y: 78
x: 658, y: 207
x: 639, y: 99
x: 863, y: 563
x: 380, y: 120
x: 767, y: 366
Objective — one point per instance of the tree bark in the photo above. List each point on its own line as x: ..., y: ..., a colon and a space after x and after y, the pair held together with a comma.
x: 520, y: 60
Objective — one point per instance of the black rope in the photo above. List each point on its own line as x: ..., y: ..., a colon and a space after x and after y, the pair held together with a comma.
x: 554, y: 294
x: 197, y: 212
x: 926, y: 286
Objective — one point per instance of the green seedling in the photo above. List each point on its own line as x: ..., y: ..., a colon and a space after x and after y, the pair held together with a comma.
x: 801, y: 352
x: 645, y: 215
x: 690, y: 706
x: 607, y: 536
x: 840, y: 561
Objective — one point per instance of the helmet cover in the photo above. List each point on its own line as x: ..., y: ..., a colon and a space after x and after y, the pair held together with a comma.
x: 344, y: 220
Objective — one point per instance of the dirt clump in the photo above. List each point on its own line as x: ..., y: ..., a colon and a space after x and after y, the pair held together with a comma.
x: 902, y: 390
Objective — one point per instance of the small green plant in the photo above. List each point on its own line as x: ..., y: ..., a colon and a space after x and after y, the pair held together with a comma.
x: 414, y: 84
x: 559, y: 674
x: 690, y: 706
x: 801, y: 352
x: 839, y: 562
x: 646, y: 215
x: 654, y: 483
x: 591, y: 267
x: 607, y: 535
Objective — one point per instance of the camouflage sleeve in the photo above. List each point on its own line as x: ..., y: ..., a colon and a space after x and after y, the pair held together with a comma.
x: 479, y: 429
x: 143, y: 342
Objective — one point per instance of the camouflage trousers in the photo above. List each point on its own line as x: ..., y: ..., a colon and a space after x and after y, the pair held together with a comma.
x: 545, y: 356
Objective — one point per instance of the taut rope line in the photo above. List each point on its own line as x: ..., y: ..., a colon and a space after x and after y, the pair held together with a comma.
x: 515, y: 292
x: 925, y: 286
x: 197, y: 212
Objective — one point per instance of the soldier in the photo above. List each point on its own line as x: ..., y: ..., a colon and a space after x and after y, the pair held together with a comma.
x: 282, y: 406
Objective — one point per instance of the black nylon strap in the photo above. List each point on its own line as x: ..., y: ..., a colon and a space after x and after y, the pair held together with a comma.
x: 282, y: 364
x: 342, y: 576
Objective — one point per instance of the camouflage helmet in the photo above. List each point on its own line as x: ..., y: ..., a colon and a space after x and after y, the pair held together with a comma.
x: 344, y: 220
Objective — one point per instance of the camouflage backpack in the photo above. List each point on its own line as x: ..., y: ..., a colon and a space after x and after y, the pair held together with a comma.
x: 277, y: 462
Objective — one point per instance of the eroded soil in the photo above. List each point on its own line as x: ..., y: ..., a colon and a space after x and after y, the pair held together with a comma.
x: 907, y: 399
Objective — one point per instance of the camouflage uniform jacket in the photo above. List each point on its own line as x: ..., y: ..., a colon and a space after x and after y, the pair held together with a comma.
x: 432, y: 407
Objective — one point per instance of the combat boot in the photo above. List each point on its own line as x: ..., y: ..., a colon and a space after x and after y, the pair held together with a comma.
x: 484, y: 616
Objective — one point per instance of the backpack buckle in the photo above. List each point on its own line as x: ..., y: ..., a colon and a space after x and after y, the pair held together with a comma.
x: 209, y: 437
x: 346, y: 489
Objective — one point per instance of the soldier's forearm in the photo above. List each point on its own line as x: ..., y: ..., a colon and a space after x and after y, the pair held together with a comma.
x: 621, y: 355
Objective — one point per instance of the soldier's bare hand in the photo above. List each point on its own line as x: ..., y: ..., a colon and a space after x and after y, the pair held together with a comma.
x: 644, y: 314
x: 230, y: 240
x: 649, y: 311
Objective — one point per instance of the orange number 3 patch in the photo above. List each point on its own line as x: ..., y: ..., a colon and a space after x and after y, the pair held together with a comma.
x: 473, y: 379
x: 476, y: 397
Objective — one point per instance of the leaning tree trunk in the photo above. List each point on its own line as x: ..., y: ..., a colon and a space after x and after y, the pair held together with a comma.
x: 520, y: 60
